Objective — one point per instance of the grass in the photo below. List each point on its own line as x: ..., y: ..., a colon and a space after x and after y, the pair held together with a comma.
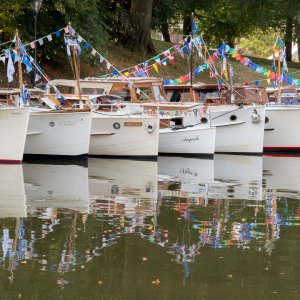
x: 122, y: 58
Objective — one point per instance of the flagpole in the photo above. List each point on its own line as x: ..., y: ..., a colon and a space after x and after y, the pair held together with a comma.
x: 279, y: 81
x: 19, y: 64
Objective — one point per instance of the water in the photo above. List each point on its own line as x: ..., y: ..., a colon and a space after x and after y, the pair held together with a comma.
x: 178, y: 228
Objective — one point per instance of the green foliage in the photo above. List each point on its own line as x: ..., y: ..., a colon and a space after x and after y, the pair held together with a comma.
x: 258, y: 42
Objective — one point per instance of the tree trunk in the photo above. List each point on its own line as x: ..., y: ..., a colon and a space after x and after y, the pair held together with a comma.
x: 165, y: 31
x: 187, y: 25
x: 297, y: 30
x: 289, y: 38
x: 139, y: 36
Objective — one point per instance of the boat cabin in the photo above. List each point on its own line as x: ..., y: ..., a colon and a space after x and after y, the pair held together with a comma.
x: 212, y: 94
x: 128, y: 90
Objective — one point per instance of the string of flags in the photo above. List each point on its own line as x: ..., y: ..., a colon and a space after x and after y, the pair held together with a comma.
x: 142, y: 69
x: 184, y: 47
x: 271, y: 75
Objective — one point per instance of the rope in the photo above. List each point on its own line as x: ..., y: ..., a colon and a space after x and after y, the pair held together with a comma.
x: 75, y: 32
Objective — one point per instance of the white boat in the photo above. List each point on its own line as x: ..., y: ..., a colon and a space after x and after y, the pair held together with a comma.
x: 52, y: 131
x: 13, y: 127
x: 56, y: 186
x: 58, y: 133
x: 240, y: 129
x: 282, y: 128
x: 118, y: 129
x: 12, y: 192
x: 194, y: 140
x: 123, y: 187
x: 124, y: 135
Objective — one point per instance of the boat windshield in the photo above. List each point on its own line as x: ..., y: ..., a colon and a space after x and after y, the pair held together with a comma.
x: 122, y: 92
x: 91, y: 91
x: 289, y: 98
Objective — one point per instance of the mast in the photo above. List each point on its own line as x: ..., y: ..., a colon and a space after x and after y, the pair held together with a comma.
x: 75, y: 58
x: 75, y: 52
x: 279, y: 82
x: 191, y: 60
x: 19, y: 63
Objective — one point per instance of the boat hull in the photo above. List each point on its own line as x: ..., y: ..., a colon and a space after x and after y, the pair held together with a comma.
x: 282, y: 129
x: 196, y: 140
x: 239, y: 130
x: 13, y: 127
x: 58, y: 134
x: 124, y: 136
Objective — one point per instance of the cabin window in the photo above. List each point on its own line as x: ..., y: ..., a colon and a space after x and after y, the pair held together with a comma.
x: 122, y: 92
x: 173, y: 96
x: 178, y: 95
x: 92, y: 91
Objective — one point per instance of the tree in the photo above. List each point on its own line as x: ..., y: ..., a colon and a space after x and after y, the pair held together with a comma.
x: 139, y: 35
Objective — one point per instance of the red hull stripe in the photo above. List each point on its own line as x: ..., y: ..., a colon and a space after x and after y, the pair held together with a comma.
x: 281, y: 147
x: 9, y: 161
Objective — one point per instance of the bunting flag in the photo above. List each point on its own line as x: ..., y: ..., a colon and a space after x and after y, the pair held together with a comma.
x: 168, y: 54
x: 49, y: 37
x: 157, y: 59
x: 10, y: 68
x: 32, y: 45
x: 25, y: 95
x: 41, y: 41
x: 179, y: 50
x: 93, y: 52
x: 2, y: 58
x: 195, y: 29
x: 155, y: 67
x: 27, y: 62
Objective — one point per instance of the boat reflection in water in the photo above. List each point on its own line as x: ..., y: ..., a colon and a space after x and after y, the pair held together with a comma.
x: 56, y: 186
x: 12, y: 192
x: 242, y: 173
x: 227, y: 176
x: 282, y: 174
x: 123, y: 187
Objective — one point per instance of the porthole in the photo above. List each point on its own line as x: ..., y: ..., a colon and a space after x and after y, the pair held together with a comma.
x: 51, y: 124
x: 233, y: 118
x: 267, y: 120
x: 117, y: 126
x: 203, y: 120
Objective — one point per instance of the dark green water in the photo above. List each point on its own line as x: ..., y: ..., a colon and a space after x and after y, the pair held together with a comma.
x: 178, y: 228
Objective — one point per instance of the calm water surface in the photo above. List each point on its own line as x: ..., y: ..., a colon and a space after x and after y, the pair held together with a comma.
x: 178, y: 228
